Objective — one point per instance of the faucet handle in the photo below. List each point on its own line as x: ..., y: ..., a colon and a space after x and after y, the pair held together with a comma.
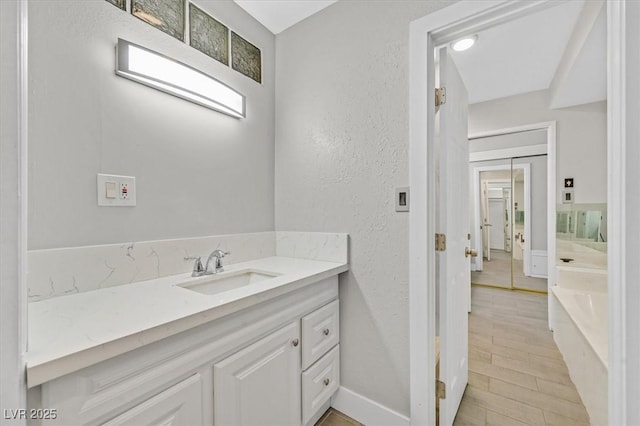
x: 198, y: 269
x: 221, y: 253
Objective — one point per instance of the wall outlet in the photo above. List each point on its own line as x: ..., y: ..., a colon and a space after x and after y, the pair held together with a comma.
x: 125, y: 187
x: 124, y: 191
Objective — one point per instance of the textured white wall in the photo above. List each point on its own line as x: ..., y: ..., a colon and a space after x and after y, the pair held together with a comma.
x: 581, y: 140
x: 342, y: 131
x: 198, y: 172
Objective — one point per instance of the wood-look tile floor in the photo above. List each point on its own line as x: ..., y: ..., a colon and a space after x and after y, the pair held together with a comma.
x: 516, y: 374
x: 497, y: 272
x: 335, y: 418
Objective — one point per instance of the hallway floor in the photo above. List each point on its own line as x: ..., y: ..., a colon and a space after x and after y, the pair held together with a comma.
x: 334, y: 417
x: 497, y: 272
x: 516, y: 374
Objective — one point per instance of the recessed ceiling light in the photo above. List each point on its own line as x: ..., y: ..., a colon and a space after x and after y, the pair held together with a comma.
x: 464, y: 44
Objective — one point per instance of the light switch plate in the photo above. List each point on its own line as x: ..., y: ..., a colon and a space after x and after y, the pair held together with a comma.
x: 111, y: 189
x: 567, y: 196
x: 109, y: 185
x: 402, y: 199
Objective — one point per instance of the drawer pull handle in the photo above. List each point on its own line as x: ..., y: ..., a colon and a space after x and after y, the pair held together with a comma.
x: 295, y: 342
x: 325, y: 331
x: 326, y: 382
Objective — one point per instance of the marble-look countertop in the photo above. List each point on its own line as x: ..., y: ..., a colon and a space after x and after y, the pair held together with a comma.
x: 72, y: 332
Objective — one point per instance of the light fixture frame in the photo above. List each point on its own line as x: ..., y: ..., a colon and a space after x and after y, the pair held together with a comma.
x: 123, y: 70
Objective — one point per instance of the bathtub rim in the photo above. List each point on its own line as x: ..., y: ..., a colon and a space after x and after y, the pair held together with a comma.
x: 601, y: 353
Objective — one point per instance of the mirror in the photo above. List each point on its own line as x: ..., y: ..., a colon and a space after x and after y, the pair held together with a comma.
x: 581, y: 235
x: 582, y: 223
x: 510, y: 218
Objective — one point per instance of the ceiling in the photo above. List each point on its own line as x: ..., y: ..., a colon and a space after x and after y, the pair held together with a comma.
x: 526, y: 55
x: 585, y: 79
x: 278, y: 15
x: 562, y: 48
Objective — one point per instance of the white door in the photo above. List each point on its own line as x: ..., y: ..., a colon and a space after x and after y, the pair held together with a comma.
x: 260, y: 385
x: 453, y: 274
x: 506, y: 218
x: 486, y: 224
x: 496, y: 213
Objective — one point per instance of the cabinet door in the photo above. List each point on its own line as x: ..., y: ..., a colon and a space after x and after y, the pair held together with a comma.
x: 260, y: 385
x: 179, y: 405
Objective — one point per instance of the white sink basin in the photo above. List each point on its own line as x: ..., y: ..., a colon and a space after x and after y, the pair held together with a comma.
x: 219, y: 283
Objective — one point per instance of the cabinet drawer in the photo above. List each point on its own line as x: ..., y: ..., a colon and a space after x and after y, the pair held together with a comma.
x: 319, y: 382
x: 181, y: 404
x: 320, y: 332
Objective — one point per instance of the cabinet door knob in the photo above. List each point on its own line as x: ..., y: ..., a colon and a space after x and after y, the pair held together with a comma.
x: 295, y: 342
x: 325, y: 331
x: 326, y: 381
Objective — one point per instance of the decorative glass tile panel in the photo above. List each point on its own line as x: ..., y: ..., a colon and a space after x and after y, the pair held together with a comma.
x: 208, y: 35
x: 245, y: 58
x: 122, y: 4
x: 167, y: 15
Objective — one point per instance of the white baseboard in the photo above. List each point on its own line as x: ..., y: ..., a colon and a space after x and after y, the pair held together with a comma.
x: 365, y: 410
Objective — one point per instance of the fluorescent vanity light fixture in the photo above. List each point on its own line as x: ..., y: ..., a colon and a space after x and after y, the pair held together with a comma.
x: 464, y: 43
x: 155, y: 70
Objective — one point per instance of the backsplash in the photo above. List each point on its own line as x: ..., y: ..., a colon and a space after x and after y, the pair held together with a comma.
x: 58, y: 272
x: 313, y: 245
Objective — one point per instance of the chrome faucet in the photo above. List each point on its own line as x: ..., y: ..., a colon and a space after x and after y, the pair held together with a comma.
x: 199, y: 270
x: 218, y: 255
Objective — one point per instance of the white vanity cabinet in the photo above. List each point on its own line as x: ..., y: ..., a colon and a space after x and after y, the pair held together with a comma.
x: 320, y: 359
x: 181, y: 404
x: 260, y: 385
x: 245, y: 368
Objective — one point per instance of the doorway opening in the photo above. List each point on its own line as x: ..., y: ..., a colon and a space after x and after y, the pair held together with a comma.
x: 436, y: 30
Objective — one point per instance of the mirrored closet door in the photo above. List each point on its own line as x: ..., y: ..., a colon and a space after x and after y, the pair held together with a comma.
x: 509, y: 204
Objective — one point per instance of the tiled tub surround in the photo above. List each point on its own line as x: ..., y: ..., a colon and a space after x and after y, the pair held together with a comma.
x: 580, y: 331
x: 64, y: 271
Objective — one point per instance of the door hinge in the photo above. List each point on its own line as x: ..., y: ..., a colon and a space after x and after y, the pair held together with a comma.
x: 441, y: 96
x: 441, y: 242
x: 441, y: 389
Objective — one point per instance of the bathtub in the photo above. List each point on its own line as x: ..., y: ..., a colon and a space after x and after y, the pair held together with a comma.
x: 582, y: 255
x: 581, y: 333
